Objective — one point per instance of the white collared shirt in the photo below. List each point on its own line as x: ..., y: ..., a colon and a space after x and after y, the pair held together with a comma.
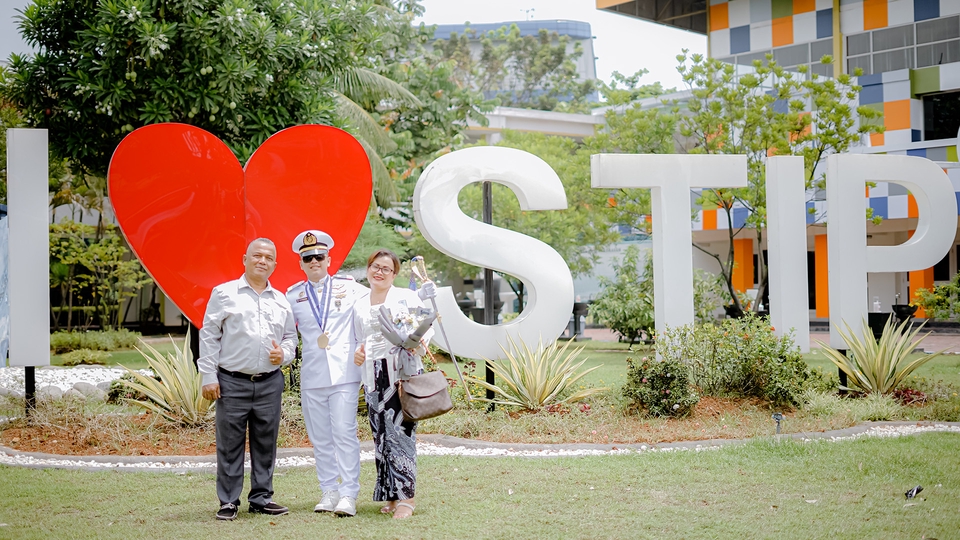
x: 366, y: 327
x: 239, y: 328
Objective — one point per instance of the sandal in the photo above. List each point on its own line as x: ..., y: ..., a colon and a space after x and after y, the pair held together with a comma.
x: 397, y: 515
x: 388, y: 509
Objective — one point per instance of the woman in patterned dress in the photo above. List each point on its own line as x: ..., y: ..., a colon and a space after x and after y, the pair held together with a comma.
x: 383, y: 365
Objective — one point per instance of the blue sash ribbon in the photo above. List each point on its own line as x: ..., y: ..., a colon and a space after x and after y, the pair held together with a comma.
x: 324, y: 301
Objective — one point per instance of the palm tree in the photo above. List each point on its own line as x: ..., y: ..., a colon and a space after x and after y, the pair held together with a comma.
x: 357, y: 85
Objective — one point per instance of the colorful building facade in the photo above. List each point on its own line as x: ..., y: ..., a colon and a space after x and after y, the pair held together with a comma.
x: 909, y: 55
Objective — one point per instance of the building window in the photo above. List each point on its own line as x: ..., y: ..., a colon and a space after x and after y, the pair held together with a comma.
x: 859, y: 62
x: 938, y: 53
x: 897, y: 37
x: 893, y: 60
x: 938, y: 30
x: 791, y: 57
x: 926, y: 43
x: 858, y: 44
x: 941, y: 115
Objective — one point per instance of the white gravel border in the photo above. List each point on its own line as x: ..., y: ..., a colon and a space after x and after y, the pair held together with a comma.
x: 13, y: 378
x: 470, y: 449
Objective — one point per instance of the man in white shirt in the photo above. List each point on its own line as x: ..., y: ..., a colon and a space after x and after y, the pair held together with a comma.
x: 248, y: 333
x: 329, y: 381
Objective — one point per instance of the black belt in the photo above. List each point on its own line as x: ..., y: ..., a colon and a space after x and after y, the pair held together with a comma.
x: 255, y: 378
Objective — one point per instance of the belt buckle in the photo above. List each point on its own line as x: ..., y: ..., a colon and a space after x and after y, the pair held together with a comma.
x: 255, y: 377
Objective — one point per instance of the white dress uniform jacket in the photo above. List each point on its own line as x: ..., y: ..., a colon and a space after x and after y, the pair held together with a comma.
x: 323, y: 368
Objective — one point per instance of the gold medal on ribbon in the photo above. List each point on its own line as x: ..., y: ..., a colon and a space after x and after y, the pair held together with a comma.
x: 323, y: 341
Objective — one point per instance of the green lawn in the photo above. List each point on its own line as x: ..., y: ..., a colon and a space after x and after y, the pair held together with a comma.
x: 614, y: 368
x: 129, y: 358
x: 765, y: 489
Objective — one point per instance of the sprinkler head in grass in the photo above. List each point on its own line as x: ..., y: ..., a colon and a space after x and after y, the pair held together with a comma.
x: 777, y: 417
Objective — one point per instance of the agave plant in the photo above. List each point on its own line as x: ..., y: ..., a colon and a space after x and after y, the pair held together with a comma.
x: 878, y: 366
x: 533, y: 379
x: 176, y: 396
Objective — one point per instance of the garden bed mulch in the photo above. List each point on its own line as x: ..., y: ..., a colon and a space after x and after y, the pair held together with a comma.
x: 145, y: 435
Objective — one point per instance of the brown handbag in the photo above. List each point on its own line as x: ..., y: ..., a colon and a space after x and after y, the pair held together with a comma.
x: 425, y: 396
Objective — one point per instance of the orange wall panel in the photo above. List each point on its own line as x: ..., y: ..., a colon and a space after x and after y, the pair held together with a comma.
x: 743, y: 264
x: 874, y: 14
x: 920, y: 279
x: 709, y: 220
x: 804, y: 6
x: 912, y: 210
x: 719, y: 17
x: 876, y: 139
x: 610, y: 3
x: 820, y: 276
x: 782, y: 31
x: 896, y: 114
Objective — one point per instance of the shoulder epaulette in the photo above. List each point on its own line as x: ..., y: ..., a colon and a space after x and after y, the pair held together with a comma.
x: 295, y: 285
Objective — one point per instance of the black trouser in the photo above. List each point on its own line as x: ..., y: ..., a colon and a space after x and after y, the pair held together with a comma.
x: 244, y: 405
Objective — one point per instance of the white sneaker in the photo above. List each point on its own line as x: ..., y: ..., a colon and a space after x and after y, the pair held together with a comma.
x: 328, y: 503
x: 347, y: 507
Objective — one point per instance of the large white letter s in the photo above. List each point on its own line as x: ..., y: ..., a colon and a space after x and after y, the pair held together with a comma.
x: 543, y: 271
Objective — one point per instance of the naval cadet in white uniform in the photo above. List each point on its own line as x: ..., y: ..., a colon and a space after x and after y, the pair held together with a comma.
x: 329, y: 381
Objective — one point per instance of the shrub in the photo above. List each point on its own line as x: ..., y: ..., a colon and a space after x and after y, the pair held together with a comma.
x: 659, y: 387
x: 121, y: 392
x: 85, y: 356
x: 177, y: 395
x: 106, y: 340
x: 534, y: 379
x: 625, y: 305
x: 943, y: 302
x: 740, y: 358
x: 878, y: 366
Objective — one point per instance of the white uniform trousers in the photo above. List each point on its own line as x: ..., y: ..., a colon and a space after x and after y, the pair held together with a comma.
x: 331, y: 417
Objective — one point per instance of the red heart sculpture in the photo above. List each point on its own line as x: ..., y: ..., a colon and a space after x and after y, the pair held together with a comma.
x: 188, y: 209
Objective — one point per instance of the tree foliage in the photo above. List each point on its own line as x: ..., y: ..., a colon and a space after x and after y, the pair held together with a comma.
x: 9, y: 118
x: 241, y: 69
x: 97, y: 268
x: 530, y: 72
x: 630, y: 127
x: 762, y: 112
x: 625, y: 304
x: 437, y: 125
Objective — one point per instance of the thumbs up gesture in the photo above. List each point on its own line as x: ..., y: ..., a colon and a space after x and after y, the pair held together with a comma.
x: 359, y: 356
x: 276, y: 354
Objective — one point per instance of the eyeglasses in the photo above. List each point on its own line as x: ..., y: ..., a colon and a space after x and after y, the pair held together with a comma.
x: 310, y: 258
x: 385, y: 270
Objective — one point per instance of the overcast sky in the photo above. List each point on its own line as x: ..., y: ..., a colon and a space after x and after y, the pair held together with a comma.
x: 623, y: 44
x: 10, y: 41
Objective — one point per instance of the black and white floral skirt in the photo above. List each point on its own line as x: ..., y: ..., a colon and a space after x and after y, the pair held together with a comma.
x: 394, y: 440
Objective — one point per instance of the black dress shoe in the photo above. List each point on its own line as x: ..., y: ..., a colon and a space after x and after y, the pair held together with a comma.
x: 271, y: 509
x: 227, y: 512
